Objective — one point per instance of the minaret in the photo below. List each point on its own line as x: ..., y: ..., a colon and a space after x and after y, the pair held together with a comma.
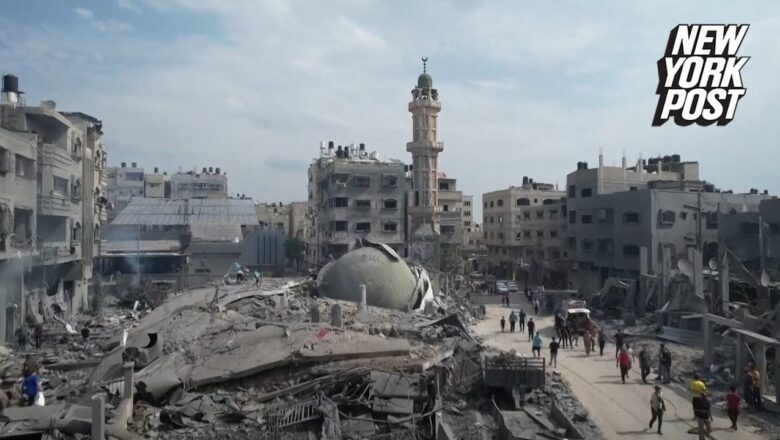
x: 424, y: 212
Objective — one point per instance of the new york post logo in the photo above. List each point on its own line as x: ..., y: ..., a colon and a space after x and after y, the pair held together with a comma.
x: 699, y: 77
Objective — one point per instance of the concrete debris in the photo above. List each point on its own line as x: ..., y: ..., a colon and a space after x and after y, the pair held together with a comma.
x: 278, y: 360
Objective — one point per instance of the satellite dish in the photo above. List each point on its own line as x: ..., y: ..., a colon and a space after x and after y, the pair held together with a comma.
x: 713, y: 264
x: 685, y: 267
x: 765, y: 279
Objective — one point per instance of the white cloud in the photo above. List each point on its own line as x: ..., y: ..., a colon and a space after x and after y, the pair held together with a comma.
x: 130, y: 5
x: 103, y: 25
x: 84, y: 13
x: 526, y: 90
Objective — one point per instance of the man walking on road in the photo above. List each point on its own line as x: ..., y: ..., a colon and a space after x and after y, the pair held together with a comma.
x: 703, y: 416
x: 521, y: 320
x: 531, y: 328
x: 512, y: 321
x: 755, y: 375
x: 665, y: 370
x: 732, y: 406
x: 657, y: 408
x: 624, y: 362
x: 536, y: 347
x: 619, y: 336
x: 644, y: 363
x: 554, y: 352
x: 503, y: 324
x: 602, y: 341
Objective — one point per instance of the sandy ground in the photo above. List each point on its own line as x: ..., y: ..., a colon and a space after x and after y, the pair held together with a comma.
x: 620, y: 410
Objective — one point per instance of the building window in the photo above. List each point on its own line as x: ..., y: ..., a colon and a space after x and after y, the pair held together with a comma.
x: 526, y: 234
x: 519, y: 236
x: 631, y: 217
x: 539, y: 214
x: 572, y: 191
x: 363, y: 227
x: 587, y: 219
x: 587, y: 245
x: 573, y: 217
x: 491, y: 219
x: 390, y: 227
x: 500, y: 235
x: 25, y: 167
x: 500, y: 202
x: 444, y: 186
x: 467, y: 203
x: 76, y: 232
x: 390, y: 204
x: 447, y: 229
x: 586, y: 192
x: 445, y: 208
x: 363, y: 204
x: 518, y: 218
x: 540, y: 234
x: 491, y: 203
x: 572, y: 243
x: 632, y: 188
x: 666, y: 217
x: 527, y: 215
x: 712, y: 220
x: 683, y: 215
x: 466, y: 223
x: 522, y: 202
x: 467, y: 213
x: 362, y: 181
x: 503, y: 251
x: 604, y: 215
x: 390, y: 181
x: 339, y: 226
x: 606, y: 246
x: 500, y: 219
x: 553, y: 234
x: 630, y: 250
x: 485, y: 205
x: 61, y: 186
x: 339, y: 202
x: 556, y: 254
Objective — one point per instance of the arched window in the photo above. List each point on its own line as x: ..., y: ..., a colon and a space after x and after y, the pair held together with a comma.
x: 522, y: 202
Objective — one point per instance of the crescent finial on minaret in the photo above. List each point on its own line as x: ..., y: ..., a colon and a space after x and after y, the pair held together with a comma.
x: 424, y: 60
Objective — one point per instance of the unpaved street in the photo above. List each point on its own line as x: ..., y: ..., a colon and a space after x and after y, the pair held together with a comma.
x: 620, y: 410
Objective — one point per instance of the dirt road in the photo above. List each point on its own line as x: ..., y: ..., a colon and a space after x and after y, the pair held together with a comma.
x: 620, y: 410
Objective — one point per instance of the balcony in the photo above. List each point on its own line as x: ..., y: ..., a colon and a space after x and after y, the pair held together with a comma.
x: 54, y: 204
x: 54, y: 156
x: 60, y: 252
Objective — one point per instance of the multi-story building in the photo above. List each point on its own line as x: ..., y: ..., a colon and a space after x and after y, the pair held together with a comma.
x: 353, y: 194
x: 211, y: 183
x: 154, y: 185
x: 620, y: 234
x: 18, y: 192
x: 467, y: 217
x: 524, y: 231
x: 68, y: 167
x: 741, y: 234
x: 450, y: 203
x: 273, y: 216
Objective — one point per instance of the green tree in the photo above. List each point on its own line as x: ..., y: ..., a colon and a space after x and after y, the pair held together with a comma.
x: 294, y: 249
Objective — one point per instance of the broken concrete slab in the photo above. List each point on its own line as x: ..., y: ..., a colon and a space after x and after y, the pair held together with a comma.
x: 560, y: 417
x: 389, y: 385
x: 393, y: 405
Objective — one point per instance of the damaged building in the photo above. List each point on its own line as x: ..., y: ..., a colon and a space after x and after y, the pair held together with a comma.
x: 57, y: 161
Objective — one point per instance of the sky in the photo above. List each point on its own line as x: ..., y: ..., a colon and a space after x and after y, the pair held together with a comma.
x: 527, y: 88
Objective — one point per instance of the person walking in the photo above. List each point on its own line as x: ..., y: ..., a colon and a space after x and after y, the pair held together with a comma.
x: 665, y: 372
x: 747, y: 386
x: 521, y: 320
x: 586, y: 339
x: 503, y: 324
x: 657, y: 408
x: 567, y: 331
x: 755, y: 375
x: 644, y: 363
x: 624, y: 363
x: 698, y: 387
x: 619, y: 337
x: 512, y: 321
x: 536, y: 347
x: 575, y: 334
x: 602, y: 341
x: 732, y: 406
x: 554, y: 345
x: 531, y: 328
x: 703, y: 415
x: 536, y: 306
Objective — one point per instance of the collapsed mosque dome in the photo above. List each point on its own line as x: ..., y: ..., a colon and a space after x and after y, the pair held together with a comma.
x: 390, y: 282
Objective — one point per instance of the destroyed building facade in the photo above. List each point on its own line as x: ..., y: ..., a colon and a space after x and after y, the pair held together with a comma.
x: 55, y: 160
x: 354, y: 194
x: 289, y: 218
x: 524, y: 231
